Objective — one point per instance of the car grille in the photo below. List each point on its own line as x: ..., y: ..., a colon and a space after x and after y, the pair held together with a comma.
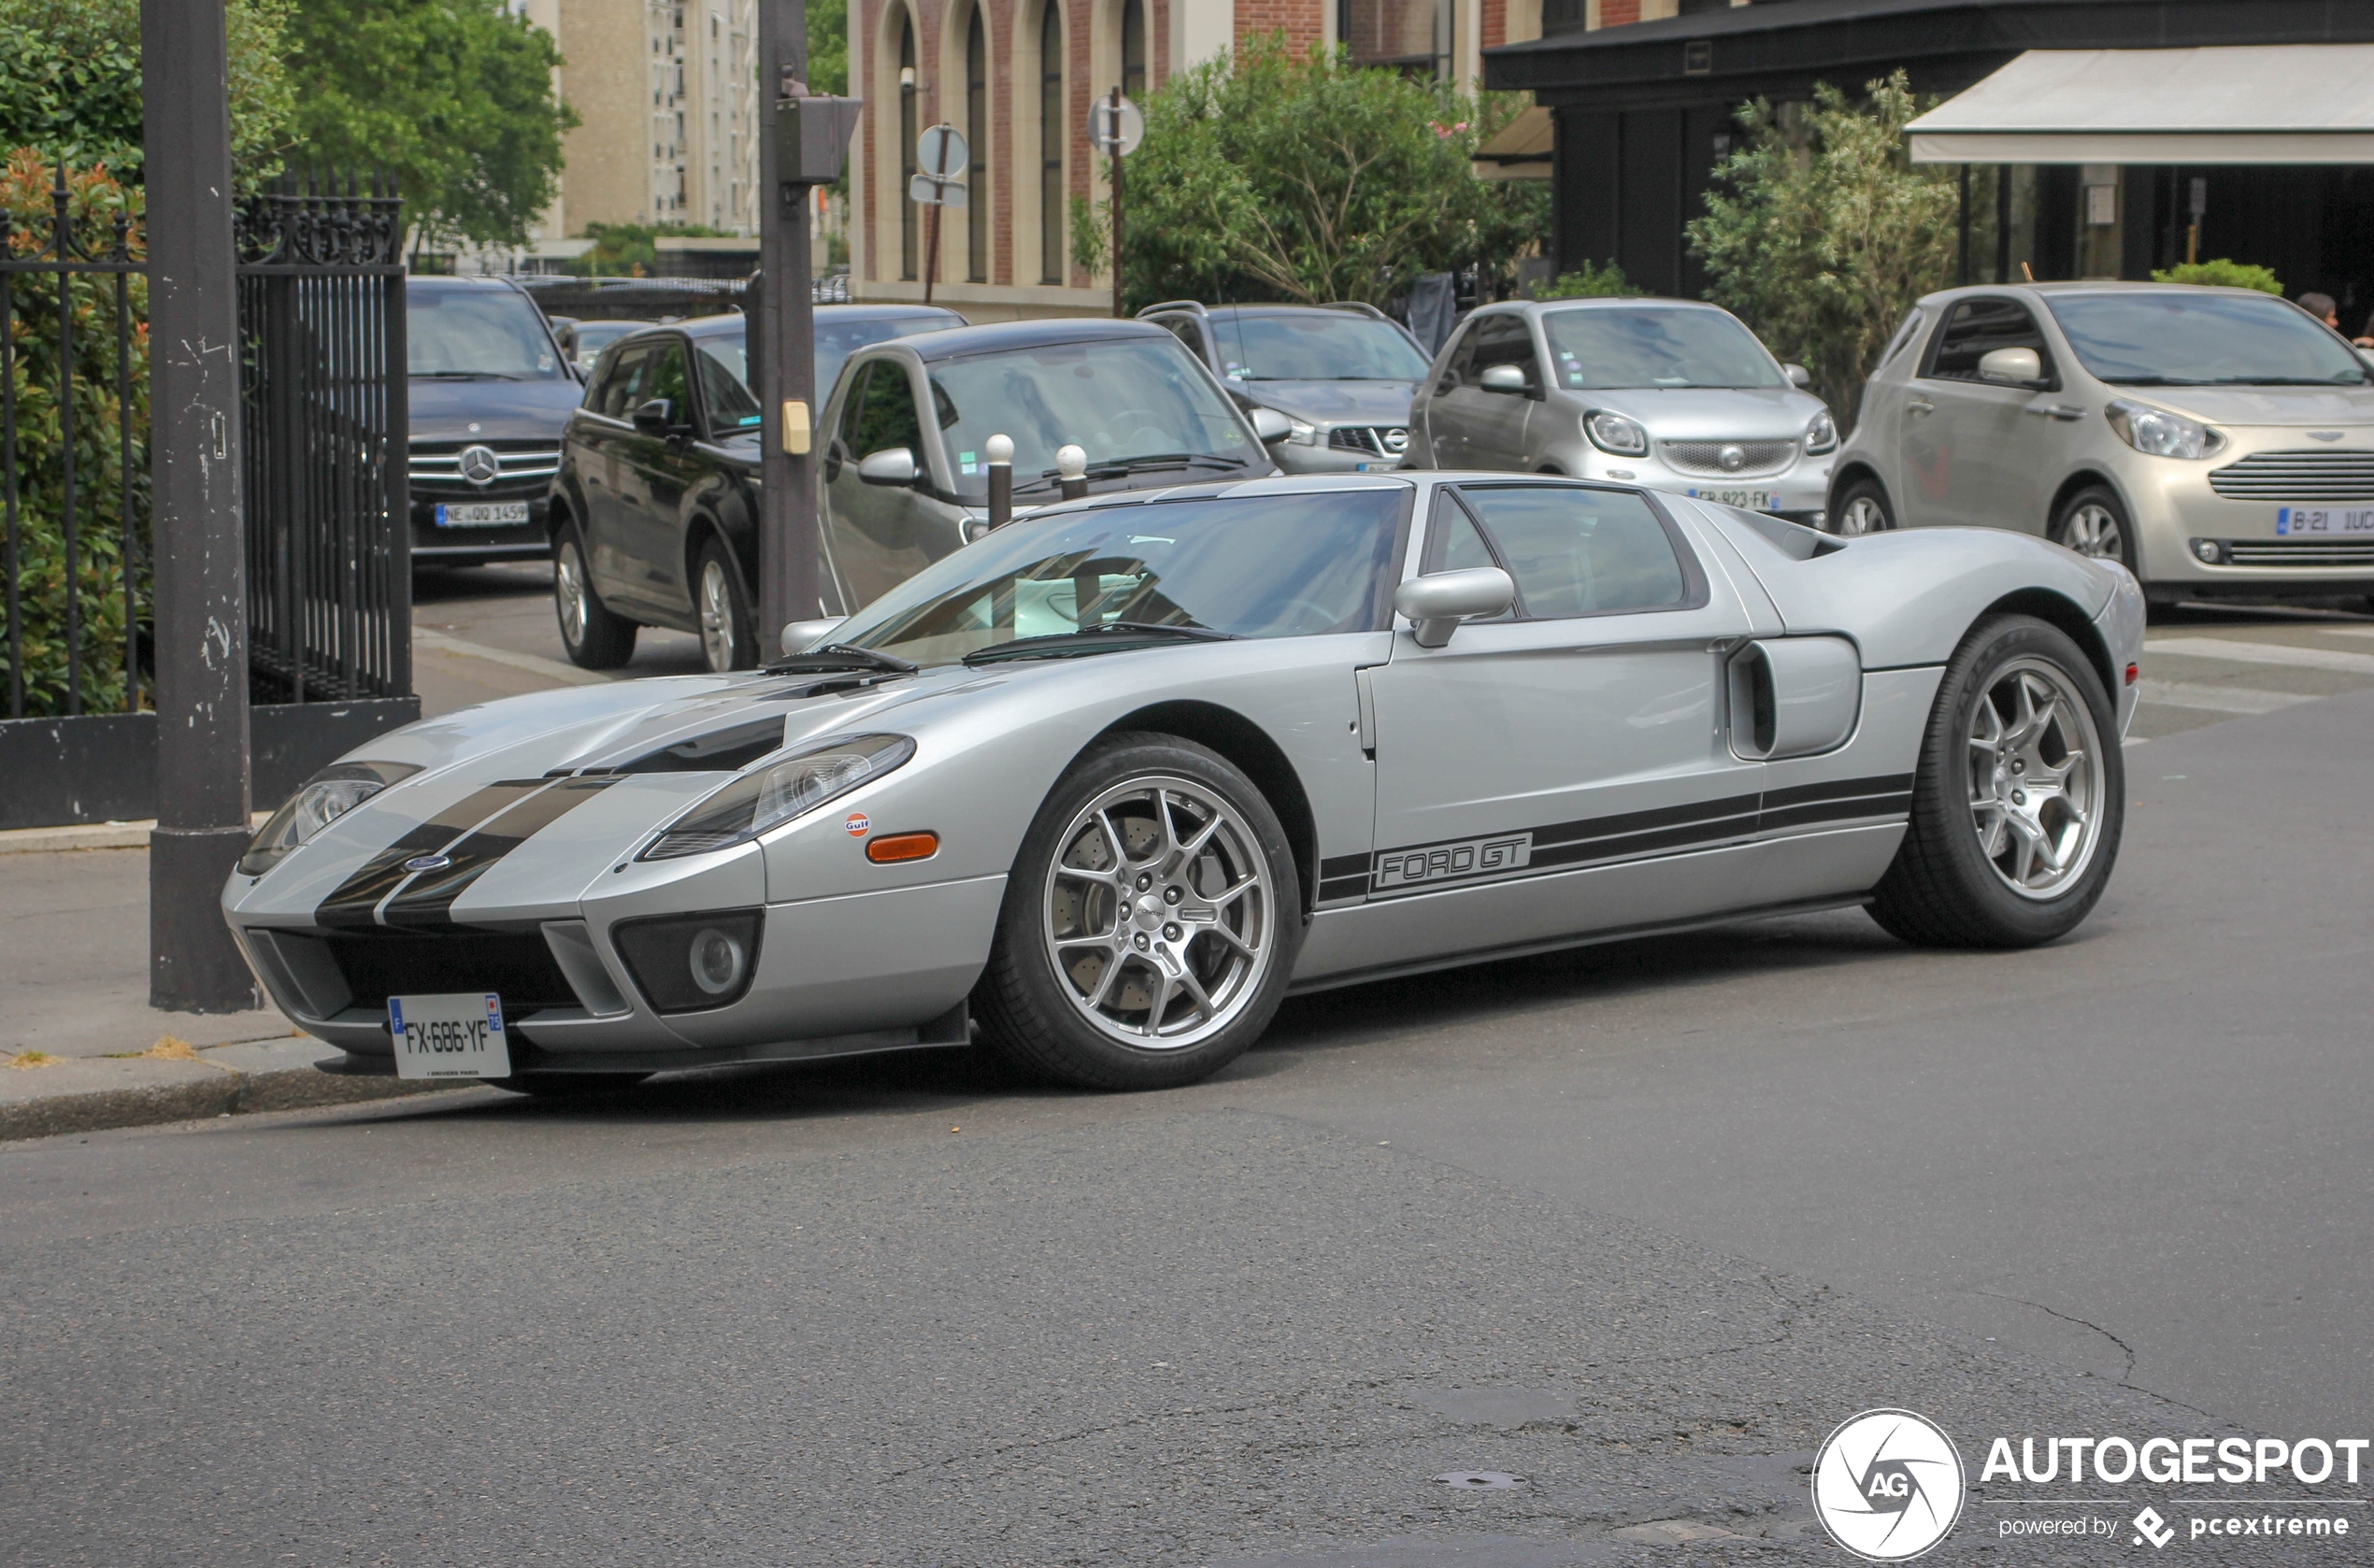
x: 1707, y: 458
x: 438, y: 463
x: 1377, y: 440
x: 2300, y: 552
x: 517, y: 967
x: 2310, y: 476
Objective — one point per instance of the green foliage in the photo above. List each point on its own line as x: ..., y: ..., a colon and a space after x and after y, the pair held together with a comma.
x: 2223, y: 273
x: 1277, y: 176
x: 453, y: 97
x: 1593, y: 281
x: 70, y: 83
x: 829, y: 46
x: 1827, y: 234
x: 1092, y: 235
x: 94, y: 198
x: 626, y: 250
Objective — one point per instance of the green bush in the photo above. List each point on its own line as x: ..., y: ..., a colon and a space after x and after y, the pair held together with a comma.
x: 1593, y: 281
x: 2222, y: 274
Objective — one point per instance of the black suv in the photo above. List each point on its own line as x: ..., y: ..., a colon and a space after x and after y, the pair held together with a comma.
x: 491, y: 390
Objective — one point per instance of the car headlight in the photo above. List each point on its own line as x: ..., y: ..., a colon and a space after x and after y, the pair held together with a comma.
x: 322, y: 800
x: 772, y: 794
x: 1615, y: 435
x: 1822, y: 435
x: 1301, y: 433
x: 2159, y: 432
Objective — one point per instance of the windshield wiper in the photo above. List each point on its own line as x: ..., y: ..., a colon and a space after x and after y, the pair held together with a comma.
x: 1115, y: 467
x: 1100, y: 639
x: 840, y: 656
x: 467, y: 376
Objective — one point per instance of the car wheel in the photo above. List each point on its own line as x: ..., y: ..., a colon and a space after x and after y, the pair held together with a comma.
x: 568, y: 1085
x: 2019, y: 799
x: 1863, y: 509
x: 1150, y: 924
x: 2092, y: 522
x: 729, y: 640
x: 595, y: 638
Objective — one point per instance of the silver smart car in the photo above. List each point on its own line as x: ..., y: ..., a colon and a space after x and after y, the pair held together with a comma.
x: 2215, y: 441
x: 1668, y: 393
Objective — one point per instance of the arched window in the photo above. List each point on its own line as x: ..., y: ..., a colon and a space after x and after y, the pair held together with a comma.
x: 977, y: 138
x: 1133, y: 48
x: 908, y: 247
x: 1051, y: 143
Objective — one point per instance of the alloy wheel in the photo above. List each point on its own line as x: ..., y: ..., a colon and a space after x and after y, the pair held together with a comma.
x: 2093, y: 528
x: 1862, y: 514
x: 717, y: 616
x: 2035, y: 778
x: 1160, y: 913
x: 568, y: 594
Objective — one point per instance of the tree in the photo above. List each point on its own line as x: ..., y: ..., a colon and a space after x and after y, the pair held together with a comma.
x: 453, y: 97
x: 829, y: 46
x: 1827, y: 233
x: 1277, y: 176
x: 2222, y: 274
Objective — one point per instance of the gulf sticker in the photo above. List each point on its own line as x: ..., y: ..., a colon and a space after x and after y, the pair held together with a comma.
x: 858, y: 825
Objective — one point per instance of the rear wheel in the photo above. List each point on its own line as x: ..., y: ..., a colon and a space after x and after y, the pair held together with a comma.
x: 1863, y: 508
x: 729, y: 640
x: 2092, y: 522
x: 595, y: 638
x: 2018, y: 803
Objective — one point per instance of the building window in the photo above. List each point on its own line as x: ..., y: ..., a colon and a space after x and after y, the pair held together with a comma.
x: 1133, y: 48
x: 1412, y: 37
x: 977, y: 138
x: 1051, y: 143
x: 906, y: 136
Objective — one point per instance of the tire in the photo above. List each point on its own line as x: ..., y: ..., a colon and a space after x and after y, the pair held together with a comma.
x: 568, y: 1085
x: 594, y: 636
x: 1081, y: 989
x: 1969, y: 873
x: 2094, y: 523
x: 729, y: 635
x: 1863, y: 508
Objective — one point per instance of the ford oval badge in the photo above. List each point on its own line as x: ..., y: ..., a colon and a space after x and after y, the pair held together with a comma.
x: 428, y: 862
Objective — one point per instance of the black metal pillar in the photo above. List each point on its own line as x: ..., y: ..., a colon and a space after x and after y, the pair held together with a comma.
x: 785, y: 369
x: 194, y: 468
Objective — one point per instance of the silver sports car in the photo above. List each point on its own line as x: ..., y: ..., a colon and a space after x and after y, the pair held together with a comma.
x: 1113, y: 780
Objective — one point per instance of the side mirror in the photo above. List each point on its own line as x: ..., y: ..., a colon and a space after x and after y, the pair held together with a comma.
x: 2011, y: 367
x: 1271, y: 426
x: 893, y: 465
x: 801, y: 636
x: 1799, y: 376
x: 1439, y: 601
x: 1502, y: 379
x: 655, y: 418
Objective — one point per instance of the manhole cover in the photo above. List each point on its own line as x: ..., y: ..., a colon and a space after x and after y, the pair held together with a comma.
x: 1481, y: 1480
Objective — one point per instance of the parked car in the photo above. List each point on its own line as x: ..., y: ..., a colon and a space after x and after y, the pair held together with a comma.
x: 586, y: 340
x: 1669, y: 393
x: 1119, y: 776
x: 2214, y: 441
x: 490, y: 389
x: 1341, y: 374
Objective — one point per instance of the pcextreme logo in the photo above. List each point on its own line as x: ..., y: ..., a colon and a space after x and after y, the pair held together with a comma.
x: 1887, y: 1485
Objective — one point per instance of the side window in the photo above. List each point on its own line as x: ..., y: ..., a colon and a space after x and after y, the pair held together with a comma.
x: 1977, y: 328
x: 1576, y: 552
x: 852, y: 410
x: 1904, y: 335
x: 886, y: 416
x: 725, y: 402
x: 1188, y: 333
x: 668, y: 377
x: 1504, y: 339
x: 613, y: 397
x: 1454, y: 544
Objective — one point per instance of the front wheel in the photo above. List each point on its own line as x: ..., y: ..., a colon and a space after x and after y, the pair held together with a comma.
x: 1150, y: 924
x: 1863, y: 509
x: 2018, y: 801
x: 2094, y: 523
x: 729, y: 640
x: 590, y: 635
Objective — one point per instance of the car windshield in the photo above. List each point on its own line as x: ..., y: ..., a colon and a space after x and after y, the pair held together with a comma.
x: 1131, y: 404
x: 594, y: 337
x: 1606, y: 346
x: 2175, y: 338
x: 1314, y: 346
x: 1250, y: 566
x: 477, y: 334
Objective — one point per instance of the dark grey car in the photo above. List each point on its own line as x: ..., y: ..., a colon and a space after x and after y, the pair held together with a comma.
x: 1342, y: 375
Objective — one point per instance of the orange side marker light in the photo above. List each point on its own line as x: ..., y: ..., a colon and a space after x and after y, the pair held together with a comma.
x: 893, y: 848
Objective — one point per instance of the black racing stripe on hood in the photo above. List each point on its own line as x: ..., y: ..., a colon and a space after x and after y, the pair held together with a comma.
x: 355, y: 901
x: 427, y: 900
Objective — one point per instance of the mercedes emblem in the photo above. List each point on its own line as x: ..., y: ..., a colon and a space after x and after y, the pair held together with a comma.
x: 480, y: 465
x: 1733, y: 458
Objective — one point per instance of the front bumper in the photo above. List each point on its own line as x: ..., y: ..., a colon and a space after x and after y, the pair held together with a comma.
x: 518, y: 541
x: 2177, y: 515
x: 1798, y: 492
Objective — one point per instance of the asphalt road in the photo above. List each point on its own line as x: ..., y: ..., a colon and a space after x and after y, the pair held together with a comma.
x: 1637, y: 1224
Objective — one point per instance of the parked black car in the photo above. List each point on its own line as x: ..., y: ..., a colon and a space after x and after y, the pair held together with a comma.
x: 653, y: 513
x: 490, y: 389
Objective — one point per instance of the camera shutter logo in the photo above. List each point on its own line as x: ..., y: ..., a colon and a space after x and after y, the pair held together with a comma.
x: 1888, y: 1486
x: 480, y: 465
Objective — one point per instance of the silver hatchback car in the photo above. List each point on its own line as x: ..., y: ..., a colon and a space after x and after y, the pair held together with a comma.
x: 1669, y: 393
x: 2216, y: 441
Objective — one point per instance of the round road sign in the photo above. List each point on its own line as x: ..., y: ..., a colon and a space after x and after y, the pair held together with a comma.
x: 1102, y: 133
x: 933, y: 144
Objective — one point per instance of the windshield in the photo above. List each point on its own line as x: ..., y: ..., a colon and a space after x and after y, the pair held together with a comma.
x: 1655, y: 346
x: 1251, y: 567
x: 2180, y: 339
x: 470, y: 333
x: 1120, y: 401
x: 1321, y: 345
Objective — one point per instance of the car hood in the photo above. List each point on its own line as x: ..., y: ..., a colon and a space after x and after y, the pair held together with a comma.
x: 1335, y: 402
x: 2276, y: 406
x: 501, y: 410
x: 1708, y: 413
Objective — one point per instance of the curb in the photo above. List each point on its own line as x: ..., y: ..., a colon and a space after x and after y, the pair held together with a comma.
x: 225, y: 1092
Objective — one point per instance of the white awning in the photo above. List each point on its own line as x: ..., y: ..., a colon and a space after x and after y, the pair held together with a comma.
x: 1521, y: 150
x: 2254, y: 104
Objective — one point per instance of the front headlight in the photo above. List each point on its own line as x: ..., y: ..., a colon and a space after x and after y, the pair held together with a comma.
x: 773, y: 794
x: 1301, y: 433
x: 322, y: 800
x: 1615, y: 435
x: 1822, y: 435
x: 2159, y: 432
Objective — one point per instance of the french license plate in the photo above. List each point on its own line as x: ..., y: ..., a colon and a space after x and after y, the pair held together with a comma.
x: 1752, y: 500
x: 2291, y: 522
x: 458, y: 1036
x: 481, y: 514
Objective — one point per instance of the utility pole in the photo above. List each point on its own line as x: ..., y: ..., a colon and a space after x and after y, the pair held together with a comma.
x: 198, y: 549
x: 1118, y: 153
x: 783, y: 371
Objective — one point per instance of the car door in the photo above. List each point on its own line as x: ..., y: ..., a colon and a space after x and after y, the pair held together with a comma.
x: 604, y: 469
x: 1490, y: 425
x: 1975, y: 450
x: 879, y: 536
x: 1585, y: 728
x: 1435, y: 414
x: 660, y: 471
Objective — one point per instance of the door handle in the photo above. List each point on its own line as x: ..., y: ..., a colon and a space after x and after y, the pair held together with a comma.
x: 2058, y: 410
x: 1919, y: 405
